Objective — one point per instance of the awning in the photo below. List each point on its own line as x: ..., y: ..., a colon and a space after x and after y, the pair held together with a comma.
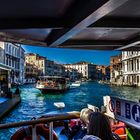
x: 4, y: 67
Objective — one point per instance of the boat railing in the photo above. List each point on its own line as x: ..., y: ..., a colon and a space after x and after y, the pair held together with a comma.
x: 43, y: 120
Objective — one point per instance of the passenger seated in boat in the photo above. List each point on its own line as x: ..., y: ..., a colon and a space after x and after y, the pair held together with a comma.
x: 98, y: 126
x: 80, y: 130
x: 85, y: 114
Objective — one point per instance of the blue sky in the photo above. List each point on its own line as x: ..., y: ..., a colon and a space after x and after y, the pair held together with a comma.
x: 71, y: 56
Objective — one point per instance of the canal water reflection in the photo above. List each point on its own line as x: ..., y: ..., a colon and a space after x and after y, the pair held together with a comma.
x: 35, y: 104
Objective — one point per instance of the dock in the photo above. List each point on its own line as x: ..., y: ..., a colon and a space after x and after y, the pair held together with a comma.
x: 7, y: 104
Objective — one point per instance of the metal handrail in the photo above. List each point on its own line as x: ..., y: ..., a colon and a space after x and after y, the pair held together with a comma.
x: 46, y: 119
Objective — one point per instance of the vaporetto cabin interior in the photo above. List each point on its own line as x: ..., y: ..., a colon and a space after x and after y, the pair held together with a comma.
x: 73, y: 24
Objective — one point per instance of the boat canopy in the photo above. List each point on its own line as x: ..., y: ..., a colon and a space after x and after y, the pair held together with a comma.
x: 74, y: 24
x: 53, y: 77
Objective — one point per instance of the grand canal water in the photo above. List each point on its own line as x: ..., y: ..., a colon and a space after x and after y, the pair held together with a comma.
x: 34, y: 104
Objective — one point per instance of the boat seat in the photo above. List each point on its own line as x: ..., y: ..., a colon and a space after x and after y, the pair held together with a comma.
x: 58, y: 131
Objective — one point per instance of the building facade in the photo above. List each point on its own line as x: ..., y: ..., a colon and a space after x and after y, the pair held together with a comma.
x: 49, y: 68
x: 116, y: 70
x: 103, y: 72
x: 35, y: 65
x: 72, y: 74
x: 87, y: 70
x: 131, y: 67
x: 21, y: 65
x: 53, y: 68
x: 31, y: 72
x: 14, y: 58
x: 41, y: 64
x: 2, y: 53
x: 59, y: 70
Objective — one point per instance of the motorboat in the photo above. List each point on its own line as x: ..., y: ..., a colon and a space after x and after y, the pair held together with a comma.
x: 75, y: 84
x: 101, y: 82
x: 52, y: 84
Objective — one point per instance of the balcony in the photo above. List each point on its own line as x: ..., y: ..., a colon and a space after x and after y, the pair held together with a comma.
x: 131, y: 72
x: 131, y: 56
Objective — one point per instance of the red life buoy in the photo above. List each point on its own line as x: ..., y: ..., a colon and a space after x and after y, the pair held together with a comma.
x: 119, y: 129
x: 41, y: 131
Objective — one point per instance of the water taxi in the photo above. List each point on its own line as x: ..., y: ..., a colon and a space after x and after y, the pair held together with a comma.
x: 52, y: 84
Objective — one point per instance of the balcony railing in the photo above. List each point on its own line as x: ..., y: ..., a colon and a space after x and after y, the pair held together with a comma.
x: 130, y: 56
x: 132, y: 72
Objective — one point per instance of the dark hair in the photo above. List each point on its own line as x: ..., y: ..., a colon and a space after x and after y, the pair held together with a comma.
x: 99, y: 126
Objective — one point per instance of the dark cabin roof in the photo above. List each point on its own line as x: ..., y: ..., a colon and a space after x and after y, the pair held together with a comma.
x: 76, y: 24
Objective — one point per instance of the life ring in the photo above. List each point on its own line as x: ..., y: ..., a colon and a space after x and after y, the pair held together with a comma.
x: 119, y: 129
x: 25, y: 133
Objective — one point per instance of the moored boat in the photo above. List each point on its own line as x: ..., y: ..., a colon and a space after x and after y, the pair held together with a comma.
x: 52, y: 84
x: 8, y: 100
x: 75, y: 84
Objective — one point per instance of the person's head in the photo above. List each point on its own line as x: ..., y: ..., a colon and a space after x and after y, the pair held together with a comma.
x: 84, y: 115
x: 99, y: 126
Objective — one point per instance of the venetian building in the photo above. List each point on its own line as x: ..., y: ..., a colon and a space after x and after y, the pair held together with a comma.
x: 54, y: 69
x: 116, y: 70
x: 14, y: 58
x: 2, y: 53
x: 131, y: 68
x: 59, y: 70
x: 21, y: 67
x: 88, y: 70
x: 31, y: 71
x: 72, y: 74
x: 103, y: 72
x: 49, y: 68
x: 34, y: 65
x: 41, y: 64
